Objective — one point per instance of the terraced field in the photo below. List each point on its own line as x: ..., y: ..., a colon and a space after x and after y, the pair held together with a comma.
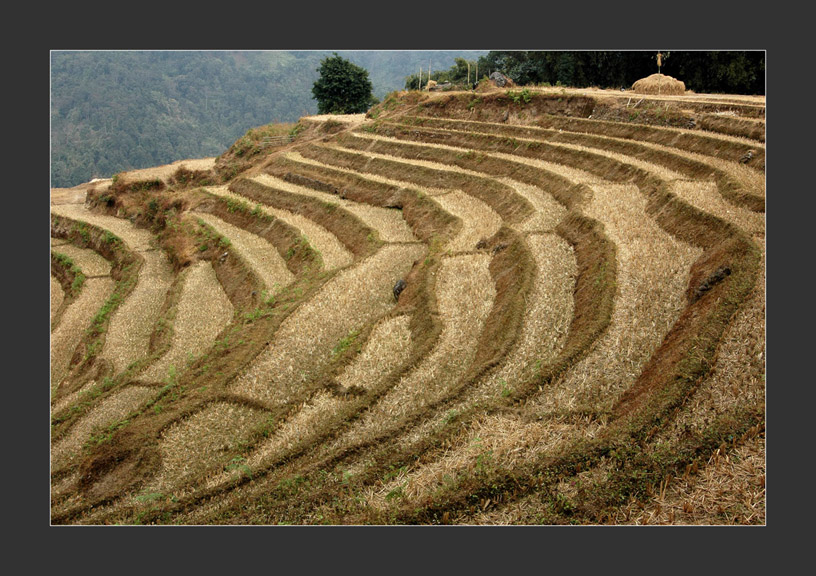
x: 498, y: 307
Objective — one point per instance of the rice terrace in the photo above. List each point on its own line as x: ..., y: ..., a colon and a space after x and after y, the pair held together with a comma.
x: 503, y: 306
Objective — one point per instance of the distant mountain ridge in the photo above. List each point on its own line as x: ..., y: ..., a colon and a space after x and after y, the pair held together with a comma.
x: 113, y: 111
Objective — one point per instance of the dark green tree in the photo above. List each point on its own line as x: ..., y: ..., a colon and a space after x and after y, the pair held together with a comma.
x: 343, y: 87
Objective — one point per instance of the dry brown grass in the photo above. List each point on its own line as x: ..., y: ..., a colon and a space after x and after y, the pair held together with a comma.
x: 388, y: 223
x: 114, y: 408
x: 737, y: 378
x: 166, y: 171
x: 203, y: 311
x: 437, y: 166
x: 431, y: 191
x: 653, y: 272
x: 263, y: 259
x: 708, y: 144
x: 90, y: 262
x: 704, y: 195
x: 479, y: 221
x: 665, y: 152
x: 332, y: 251
x: 57, y: 296
x: 345, y: 118
x: 659, y: 84
x: 132, y: 324
x: 546, y: 212
x: 506, y: 386
x: 71, y: 398
x: 356, y: 296
x: 465, y: 292
x: 651, y: 286
x: 658, y: 170
x: 387, y: 348
x: 547, y: 317
x: 569, y: 172
x: 549, y: 309
x: 136, y: 239
x: 728, y: 490
x: 208, y: 439
x: 74, y: 321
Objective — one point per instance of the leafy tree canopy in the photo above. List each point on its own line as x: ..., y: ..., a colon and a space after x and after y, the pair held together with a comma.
x: 715, y: 71
x: 343, y: 87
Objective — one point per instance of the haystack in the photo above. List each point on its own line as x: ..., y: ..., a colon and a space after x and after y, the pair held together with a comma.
x: 659, y: 84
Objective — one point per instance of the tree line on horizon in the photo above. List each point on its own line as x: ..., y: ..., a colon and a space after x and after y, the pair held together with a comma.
x: 726, y: 72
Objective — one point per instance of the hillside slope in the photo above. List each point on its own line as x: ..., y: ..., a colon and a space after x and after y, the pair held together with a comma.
x: 524, y: 306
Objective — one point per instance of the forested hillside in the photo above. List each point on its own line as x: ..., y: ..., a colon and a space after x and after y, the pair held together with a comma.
x: 703, y: 71
x: 119, y: 110
x: 113, y: 111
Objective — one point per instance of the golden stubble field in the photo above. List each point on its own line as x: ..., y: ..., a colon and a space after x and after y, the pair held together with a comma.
x: 580, y: 338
